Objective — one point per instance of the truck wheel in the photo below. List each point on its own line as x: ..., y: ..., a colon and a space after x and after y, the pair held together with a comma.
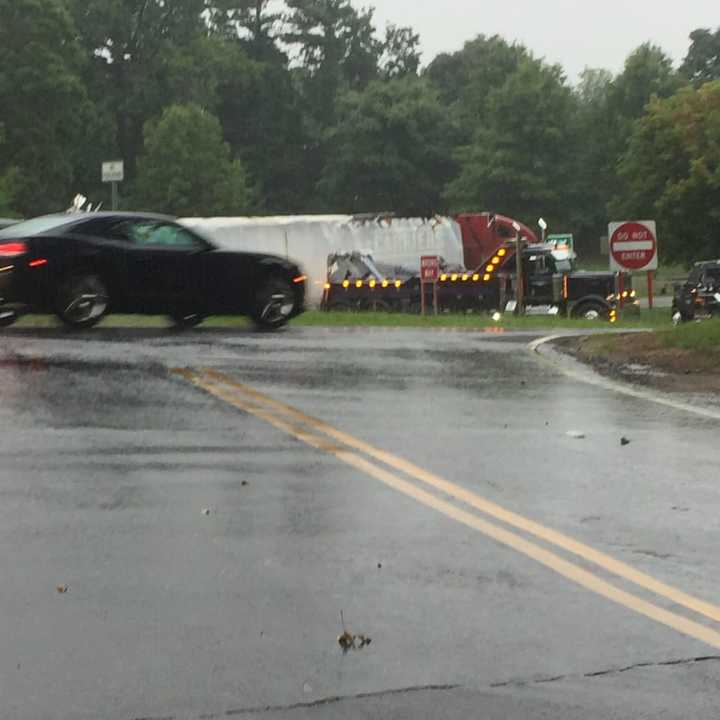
x: 591, y: 310
x: 82, y: 301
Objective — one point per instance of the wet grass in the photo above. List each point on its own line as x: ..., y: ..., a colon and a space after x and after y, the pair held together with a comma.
x: 686, y: 349
x: 657, y: 318
x: 701, y: 336
x: 647, y: 319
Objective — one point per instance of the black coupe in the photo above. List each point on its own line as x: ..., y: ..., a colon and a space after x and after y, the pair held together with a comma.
x: 82, y: 266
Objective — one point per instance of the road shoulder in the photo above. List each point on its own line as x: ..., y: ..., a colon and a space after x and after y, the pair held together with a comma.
x: 642, y: 382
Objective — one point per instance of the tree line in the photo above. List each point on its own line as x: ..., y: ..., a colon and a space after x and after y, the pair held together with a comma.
x: 260, y: 106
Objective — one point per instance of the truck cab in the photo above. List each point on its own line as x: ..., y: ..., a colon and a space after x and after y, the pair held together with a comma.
x: 553, y: 285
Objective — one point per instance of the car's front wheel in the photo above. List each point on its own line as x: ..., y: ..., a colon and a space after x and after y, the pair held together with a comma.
x: 82, y: 301
x: 275, y: 303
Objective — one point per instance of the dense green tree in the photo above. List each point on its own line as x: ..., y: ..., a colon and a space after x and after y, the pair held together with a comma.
x: 255, y: 22
x: 672, y: 172
x: 145, y: 55
x: 702, y: 63
x: 593, y: 164
x: 521, y: 156
x: 648, y: 72
x: 186, y: 168
x: 389, y: 150
x: 45, y: 109
x: 6, y: 183
x: 337, y: 51
x: 401, y: 52
x: 261, y: 114
x: 337, y: 47
x: 466, y: 79
x: 6, y: 194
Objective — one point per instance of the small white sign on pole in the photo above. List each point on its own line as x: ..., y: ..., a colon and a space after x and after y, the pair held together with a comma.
x: 113, y: 171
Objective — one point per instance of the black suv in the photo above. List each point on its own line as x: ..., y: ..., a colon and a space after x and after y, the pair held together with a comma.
x: 699, y: 295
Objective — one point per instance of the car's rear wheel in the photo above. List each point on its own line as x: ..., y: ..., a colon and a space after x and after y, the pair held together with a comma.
x: 83, y: 301
x: 275, y: 302
x: 184, y: 321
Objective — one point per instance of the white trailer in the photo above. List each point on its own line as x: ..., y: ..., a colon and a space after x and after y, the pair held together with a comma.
x: 309, y: 239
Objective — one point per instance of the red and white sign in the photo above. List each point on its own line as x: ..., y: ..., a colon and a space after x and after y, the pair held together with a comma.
x: 429, y: 268
x: 633, y: 246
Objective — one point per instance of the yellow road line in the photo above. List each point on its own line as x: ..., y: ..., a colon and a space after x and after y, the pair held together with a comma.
x: 228, y: 390
x: 608, y: 563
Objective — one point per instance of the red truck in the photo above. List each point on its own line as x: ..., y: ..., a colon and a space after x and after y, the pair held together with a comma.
x: 486, y: 283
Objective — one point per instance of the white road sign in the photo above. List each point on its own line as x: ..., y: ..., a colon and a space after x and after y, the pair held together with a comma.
x: 113, y: 171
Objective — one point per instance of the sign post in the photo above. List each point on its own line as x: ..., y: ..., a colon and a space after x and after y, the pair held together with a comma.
x: 633, y: 248
x: 519, y: 290
x: 113, y: 172
x: 429, y: 275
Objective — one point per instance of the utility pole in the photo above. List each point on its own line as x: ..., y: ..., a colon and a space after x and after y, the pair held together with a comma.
x: 519, y: 302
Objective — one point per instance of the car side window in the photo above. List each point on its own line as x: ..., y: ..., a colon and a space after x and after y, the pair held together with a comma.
x: 153, y: 234
x: 172, y: 236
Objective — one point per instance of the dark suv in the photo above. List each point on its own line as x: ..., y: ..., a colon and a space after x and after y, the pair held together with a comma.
x: 699, y: 295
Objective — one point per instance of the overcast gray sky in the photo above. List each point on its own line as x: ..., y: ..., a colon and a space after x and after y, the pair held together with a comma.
x: 596, y: 33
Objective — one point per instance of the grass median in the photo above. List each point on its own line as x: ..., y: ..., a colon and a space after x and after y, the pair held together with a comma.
x: 689, y: 348
x: 314, y: 318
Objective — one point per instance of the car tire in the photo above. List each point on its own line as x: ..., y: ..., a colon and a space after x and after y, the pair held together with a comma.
x: 591, y: 310
x: 182, y: 321
x: 275, y: 302
x: 82, y: 301
x: 7, y: 317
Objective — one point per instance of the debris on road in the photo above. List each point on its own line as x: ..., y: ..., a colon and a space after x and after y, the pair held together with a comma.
x: 62, y: 589
x: 206, y: 511
x: 576, y: 434
x: 244, y: 483
x: 348, y: 641
x: 624, y: 441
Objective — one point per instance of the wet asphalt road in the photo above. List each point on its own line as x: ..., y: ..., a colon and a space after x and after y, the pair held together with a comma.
x: 109, y: 459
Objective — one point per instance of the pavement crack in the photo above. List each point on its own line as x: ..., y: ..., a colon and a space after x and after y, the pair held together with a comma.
x: 321, y: 702
x: 608, y: 671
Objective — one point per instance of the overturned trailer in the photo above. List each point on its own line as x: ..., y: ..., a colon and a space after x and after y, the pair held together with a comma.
x: 309, y: 239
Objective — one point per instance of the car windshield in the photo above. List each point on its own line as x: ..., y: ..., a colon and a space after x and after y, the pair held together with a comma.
x: 37, y: 225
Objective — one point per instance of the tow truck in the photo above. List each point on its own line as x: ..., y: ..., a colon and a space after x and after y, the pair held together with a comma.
x: 699, y: 296
x: 551, y: 285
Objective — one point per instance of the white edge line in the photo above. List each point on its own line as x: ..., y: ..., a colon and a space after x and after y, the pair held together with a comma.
x: 591, y: 377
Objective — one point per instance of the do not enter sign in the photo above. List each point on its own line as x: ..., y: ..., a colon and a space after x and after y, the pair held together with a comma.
x: 633, y: 246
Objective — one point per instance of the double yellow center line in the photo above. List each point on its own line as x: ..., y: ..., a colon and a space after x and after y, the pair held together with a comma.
x: 429, y: 489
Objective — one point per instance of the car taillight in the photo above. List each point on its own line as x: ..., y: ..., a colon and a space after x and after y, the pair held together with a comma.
x: 12, y: 249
